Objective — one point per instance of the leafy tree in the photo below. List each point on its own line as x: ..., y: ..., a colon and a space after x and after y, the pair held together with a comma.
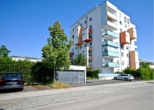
x: 80, y: 60
x: 4, y: 51
x: 56, y: 51
x: 144, y: 65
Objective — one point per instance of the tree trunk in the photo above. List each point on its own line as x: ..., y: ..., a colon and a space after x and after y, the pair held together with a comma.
x: 54, y: 77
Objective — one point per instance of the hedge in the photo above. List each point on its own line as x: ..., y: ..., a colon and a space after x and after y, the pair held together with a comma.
x: 145, y: 73
x: 92, y: 73
x: 32, y: 72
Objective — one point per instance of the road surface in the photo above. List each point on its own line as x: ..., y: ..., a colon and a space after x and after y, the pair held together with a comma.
x: 134, y: 99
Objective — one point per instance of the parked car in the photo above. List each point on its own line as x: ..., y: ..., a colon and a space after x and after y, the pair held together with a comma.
x: 127, y: 77
x: 11, y: 81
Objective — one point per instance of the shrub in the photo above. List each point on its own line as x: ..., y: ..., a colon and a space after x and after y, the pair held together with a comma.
x: 93, y: 73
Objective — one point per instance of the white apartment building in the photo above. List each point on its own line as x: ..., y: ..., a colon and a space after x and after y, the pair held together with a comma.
x: 106, y: 37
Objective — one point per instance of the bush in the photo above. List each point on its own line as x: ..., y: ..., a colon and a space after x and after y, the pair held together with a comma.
x: 144, y: 72
x: 24, y: 67
x: 31, y: 72
x: 133, y: 72
x: 93, y: 73
x: 42, y: 74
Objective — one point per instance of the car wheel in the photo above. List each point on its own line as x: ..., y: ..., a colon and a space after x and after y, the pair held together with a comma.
x: 115, y: 78
x: 126, y: 79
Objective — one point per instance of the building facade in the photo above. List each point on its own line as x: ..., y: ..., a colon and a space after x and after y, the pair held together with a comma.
x: 17, y: 58
x: 107, y: 39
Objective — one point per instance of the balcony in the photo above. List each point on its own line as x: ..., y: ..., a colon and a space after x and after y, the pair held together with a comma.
x: 110, y: 25
x: 109, y: 35
x: 111, y: 64
x: 87, y: 37
x: 124, y: 38
x: 110, y: 43
x: 132, y: 33
x: 111, y: 16
x: 90, y: 54
x: 110, y: 7
x: 110, y: 54
x: 71, y: 53
x: 71, y: 58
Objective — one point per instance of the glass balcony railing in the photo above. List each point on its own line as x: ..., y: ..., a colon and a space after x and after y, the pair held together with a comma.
x: 110, y: 43
x: 111, y: 64
x: 110, y: 33
x: 90, y: 54
x: 90, y: 64
x: 71, y: 58
x: 110, y: 53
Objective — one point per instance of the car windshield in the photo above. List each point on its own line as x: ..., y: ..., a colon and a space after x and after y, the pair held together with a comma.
x: 12, y: 75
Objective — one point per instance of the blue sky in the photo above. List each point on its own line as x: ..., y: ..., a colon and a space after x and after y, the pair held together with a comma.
x: 24, y: 23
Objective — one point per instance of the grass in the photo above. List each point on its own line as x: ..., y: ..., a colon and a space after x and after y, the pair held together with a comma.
x: 38, y: 86
x: 58, y: 85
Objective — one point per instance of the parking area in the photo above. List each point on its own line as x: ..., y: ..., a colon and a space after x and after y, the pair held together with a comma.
x: 88, y: 83
x: 99, y: 82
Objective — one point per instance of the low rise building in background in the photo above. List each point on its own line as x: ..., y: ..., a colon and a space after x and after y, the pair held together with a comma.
x: 17, y: 58
x: 151, y: 64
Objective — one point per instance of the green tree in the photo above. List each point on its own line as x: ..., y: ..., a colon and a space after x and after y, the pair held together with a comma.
x: 144, y: 65
x: 80, y: 60
x: 56, y: 51
x: 4, y: 51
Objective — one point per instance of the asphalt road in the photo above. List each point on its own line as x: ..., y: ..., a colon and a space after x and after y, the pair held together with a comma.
x: 99, y: 82
x: 88, y: 83
x: 135, y: 99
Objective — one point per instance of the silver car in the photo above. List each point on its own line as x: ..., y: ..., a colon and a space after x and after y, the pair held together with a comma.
x: 127, y: 77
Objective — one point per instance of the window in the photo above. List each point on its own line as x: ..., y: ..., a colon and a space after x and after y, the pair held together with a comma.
x: 120, y: 30
x: 81, y: 25
x: 80, y: 47
x: 117, y: 61
x: 127, y: 47
x: 76, y: 47
x: 122, y: 54
x: 77, y: 29
x: 125, y: 19
x: 73, y: 30
x: 85, y: 45
x: 125, y: 25
x: 72, y: 36
x: 90, y: 43
x: 120, y: 22
x: 90, y: 19
x: 120, y: 15
x: 83, y: 51
x: 83, y: 34
x: 122, y: 62
x: 85, y: 22
x: 127, y: 55
x: 128, y: 21
x: 90, y: 26
x: 122, y: 47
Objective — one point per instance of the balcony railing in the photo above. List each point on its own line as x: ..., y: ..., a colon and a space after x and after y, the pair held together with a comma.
x: 107, y: 32
x: 111, y: 54
x: 71, y: 59
x: 90, y: 64
x: 110, y: 43
x: 90, y: 54
x: 111, y: 64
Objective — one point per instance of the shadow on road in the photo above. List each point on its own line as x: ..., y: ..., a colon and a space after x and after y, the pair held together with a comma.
x: 10, y: 91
